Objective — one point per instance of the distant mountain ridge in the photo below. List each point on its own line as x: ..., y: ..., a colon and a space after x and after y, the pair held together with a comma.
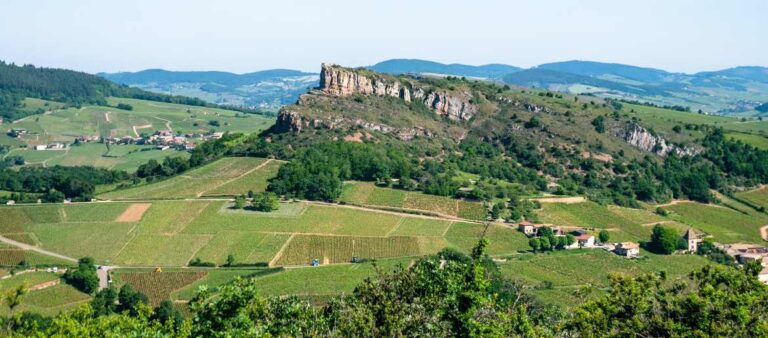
x: 733, y: 90
x: 268, y: 89
x: 415, y: 66
x: 226, y: 78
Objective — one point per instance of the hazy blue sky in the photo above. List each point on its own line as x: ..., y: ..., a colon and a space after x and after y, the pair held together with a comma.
x: 243, y: 36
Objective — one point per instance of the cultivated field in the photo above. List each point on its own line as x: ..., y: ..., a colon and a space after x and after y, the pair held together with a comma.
x: 624, y: 224
x: 575, y: 275
x: 47, y: 301
x: 171, y: 233
x: 365, y: 193
x: 228, y: 176
x: 158, y: 286
x: 726, y: 225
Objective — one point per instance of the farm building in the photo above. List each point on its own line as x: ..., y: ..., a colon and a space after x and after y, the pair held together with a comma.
x: 17, y: 132
x: 693, y: 240
x: 585, y: 241
x: 528, y: 228
x: 747, y: 252
x: 41, y: 147
x: 627, y: 249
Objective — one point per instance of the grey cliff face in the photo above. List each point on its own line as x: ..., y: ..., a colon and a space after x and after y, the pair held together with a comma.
x: 643, y: 139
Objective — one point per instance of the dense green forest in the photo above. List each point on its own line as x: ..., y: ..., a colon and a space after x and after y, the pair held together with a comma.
x: 317, y: 172
x: 449, y: 294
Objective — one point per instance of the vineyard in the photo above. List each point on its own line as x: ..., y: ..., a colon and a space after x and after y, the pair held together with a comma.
x: 727, y: 225
x: 158, y: 286
x: 302, y: 249
x: 255, y: 181
x: 363, y: 193
x: 571, y: 270
x: 757, y: 196
x: 199, y: 181
x: 421, y: 227
x: 215, y: 278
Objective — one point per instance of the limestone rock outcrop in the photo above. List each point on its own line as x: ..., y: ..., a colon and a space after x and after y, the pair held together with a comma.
x: 340, y: 81
x: 292, y: 121
x: 643, y: 139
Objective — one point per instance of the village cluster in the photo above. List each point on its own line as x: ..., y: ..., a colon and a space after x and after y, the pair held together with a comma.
x: 582, y: 239
x: 742, y: 253
x: 162, y: 139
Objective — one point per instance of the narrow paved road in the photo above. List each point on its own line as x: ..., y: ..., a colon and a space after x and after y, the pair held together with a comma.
x: 103, y: 273
x: 35, y: 249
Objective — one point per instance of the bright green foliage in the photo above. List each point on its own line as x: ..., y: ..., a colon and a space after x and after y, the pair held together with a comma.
x: 239, y: 202
x: 716, y: 302
x: 663, y: 240
x: 265, y: 202
x: 83, y: 278
x: 131, y: 300
x: 604, y: 236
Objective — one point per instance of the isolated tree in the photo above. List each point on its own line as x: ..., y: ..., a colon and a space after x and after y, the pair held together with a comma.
x: 663, y: 240
x: 599, y: 124
x: 266, y: 202
x: 84, y: 277
x: 230, y: 260
x: 604, y: 236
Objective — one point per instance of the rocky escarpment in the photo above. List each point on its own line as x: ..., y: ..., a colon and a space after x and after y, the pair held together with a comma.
x: 340, y: 81
x: 289, y: 120
x: 643, y: 139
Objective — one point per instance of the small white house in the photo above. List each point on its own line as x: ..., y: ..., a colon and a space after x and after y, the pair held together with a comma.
x: 627, y: 249
x: 41, y: 147
x: 585, y: 241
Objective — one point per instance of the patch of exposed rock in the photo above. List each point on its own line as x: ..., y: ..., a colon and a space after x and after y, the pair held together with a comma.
x: 531, y: 107
x: 292, y: 121
x: 340, y: 81
x: 643, y: 139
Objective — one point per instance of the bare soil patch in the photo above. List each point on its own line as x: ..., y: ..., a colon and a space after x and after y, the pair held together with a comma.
x: 565, y: 200
x: 45, y: 285
x: 133, y: 213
